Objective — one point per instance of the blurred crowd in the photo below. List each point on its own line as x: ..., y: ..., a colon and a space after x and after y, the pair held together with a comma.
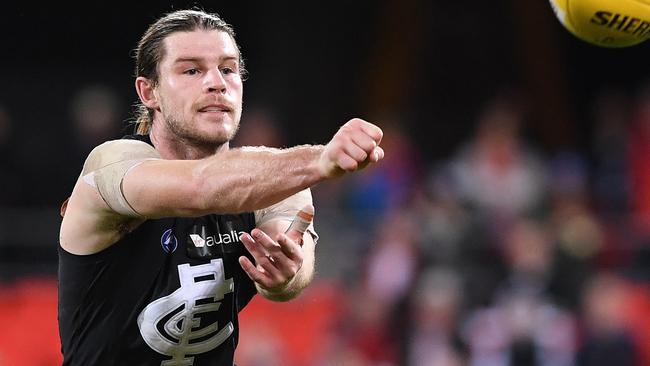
x: 499, y: 254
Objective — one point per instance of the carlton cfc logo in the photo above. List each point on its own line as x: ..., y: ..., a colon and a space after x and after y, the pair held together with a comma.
x: 168, y: 241
x: 183, y: 324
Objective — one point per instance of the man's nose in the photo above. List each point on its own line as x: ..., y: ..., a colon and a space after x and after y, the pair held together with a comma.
x: 214, y: 82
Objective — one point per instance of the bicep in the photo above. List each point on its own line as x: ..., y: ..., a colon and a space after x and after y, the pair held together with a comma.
x: 135, y: 182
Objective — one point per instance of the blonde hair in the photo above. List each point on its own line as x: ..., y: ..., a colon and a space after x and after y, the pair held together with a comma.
x: 144, y: 120
x: 151, y: 50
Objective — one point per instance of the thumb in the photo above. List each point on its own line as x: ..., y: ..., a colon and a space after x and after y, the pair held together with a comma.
x: 303, y: 218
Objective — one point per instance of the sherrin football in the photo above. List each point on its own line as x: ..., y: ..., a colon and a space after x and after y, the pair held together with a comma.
x: 605, y: 23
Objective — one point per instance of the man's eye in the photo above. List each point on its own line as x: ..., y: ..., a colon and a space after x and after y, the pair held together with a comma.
x: 191, y: 71
x: 227, y: 70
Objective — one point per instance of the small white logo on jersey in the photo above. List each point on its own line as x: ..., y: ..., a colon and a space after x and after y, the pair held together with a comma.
x: 172, y: 325
x: 198, y: 241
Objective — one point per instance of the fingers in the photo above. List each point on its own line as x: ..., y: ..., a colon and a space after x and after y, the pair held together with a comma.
x: 377, y: 154
x: 256, y: 250
x: 369, y: 129
x: 355, y: 152
x: 267, y: 246
x: 253, y: 273
x: 347, y: 163
x: 365, y: 142
x: 291, y: 250
x: 262, y: 259
x: 277, y: 262
x: 354, y: 146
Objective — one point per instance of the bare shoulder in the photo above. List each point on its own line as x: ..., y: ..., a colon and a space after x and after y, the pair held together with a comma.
x: 115, y: 151
x: 89, y: 224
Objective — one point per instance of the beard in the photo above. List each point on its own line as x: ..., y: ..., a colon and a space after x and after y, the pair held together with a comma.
x: 185, y: 132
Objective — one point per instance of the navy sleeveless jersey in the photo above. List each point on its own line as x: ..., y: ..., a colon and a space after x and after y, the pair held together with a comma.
x: 167, y: 293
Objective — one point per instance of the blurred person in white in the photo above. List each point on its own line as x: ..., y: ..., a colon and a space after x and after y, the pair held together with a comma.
x: 169, y: 233
x: 606, y: 336
x: 521, y: 330
x: 433, y: 337
x: 10, y: 167
x: 497, y: 172
x: 524, y: 326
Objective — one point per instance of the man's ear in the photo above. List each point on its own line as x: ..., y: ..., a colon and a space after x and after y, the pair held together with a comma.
x: 146, y: 92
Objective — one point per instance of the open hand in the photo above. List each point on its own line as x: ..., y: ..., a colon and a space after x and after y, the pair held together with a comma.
x: 277, y: 261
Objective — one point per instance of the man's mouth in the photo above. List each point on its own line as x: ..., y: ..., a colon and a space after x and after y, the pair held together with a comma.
x: 216, y: 108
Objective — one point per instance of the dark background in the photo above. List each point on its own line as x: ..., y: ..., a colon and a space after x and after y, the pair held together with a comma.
x: 431, y: 63
x: 427, y: 66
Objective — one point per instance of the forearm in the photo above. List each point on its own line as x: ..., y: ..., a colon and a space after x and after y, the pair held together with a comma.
x: 242, y: 180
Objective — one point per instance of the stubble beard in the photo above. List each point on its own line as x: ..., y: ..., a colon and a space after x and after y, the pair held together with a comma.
x: 193, y: 137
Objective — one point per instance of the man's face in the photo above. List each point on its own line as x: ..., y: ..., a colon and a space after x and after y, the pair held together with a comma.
x: 200, y: 87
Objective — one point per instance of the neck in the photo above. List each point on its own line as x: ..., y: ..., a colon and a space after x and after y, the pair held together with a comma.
x: 175, y: 147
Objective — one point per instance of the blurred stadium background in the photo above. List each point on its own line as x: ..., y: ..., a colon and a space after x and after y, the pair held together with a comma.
x: 508, y: 225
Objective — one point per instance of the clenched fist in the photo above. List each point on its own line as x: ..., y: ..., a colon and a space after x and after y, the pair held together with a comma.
x: 353, y: 146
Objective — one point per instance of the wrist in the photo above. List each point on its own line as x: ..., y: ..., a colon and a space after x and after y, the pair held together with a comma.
x: 281, y: 293
x: 317, y: 172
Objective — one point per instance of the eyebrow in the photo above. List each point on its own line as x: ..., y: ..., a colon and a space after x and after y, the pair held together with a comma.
x: 199, y: 59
